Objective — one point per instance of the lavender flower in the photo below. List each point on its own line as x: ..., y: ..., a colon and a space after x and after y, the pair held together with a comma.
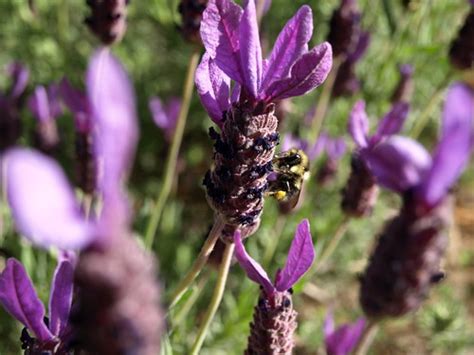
x: 10, y: 123
x: 346, y: 82
x: 406, y: 261
x: 404, y: 90
x: 274, y: 320
x: 341, y: 341
x: 191, y: 13
x: 79, y: 105
x: 245, y: 148
x: 344, y: 28
x: 165, y: 116
x: 46, y: 107
x: 108, y: 19
x: 111, y: 267
x: 18, y: 297
x: 361, y: 191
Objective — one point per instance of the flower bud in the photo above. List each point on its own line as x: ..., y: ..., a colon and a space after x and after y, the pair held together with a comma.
x: 344, y: 27
x: 361, y: 192
x: 461, y: 53
x: 273, y: 325
x: 406, y: 262
x: 118, y: 301
x: 191, y: 13
x: 108, y: 19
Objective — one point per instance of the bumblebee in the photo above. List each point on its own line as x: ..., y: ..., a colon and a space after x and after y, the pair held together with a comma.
x: 290, y: 169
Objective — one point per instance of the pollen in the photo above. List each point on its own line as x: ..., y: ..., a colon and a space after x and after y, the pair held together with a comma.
x: 280, y: 195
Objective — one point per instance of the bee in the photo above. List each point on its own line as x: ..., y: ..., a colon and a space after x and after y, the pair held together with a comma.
x: 290, y: 169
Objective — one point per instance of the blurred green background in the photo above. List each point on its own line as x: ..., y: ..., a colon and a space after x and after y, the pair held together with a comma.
x: 53, y: 42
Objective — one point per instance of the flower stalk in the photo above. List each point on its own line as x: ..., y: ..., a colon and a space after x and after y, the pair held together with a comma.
x: 367, y: 338
x: 216, y: 298
x: 199, y: 263
x: 173, y: 153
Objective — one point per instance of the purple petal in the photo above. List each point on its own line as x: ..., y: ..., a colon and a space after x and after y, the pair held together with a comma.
x: 392, y: 122
x: 61, y: 297
x: 328, y: 325
x: 20, y: 77
x: 453, y: 151
x: 42, y: 201
x: 318, y: 147
x: 39, y: 105
x: 112, y: 100
x: 291, y: 141
x: 160, y: 117
x: 250, y: 49
x: 335, y: 148
x: 213, y: 88
x: 344, y: 339
x: 300, y: 258
x: 77, y: 102
x: 44, y: 103
x: 308, y: 72
x: 220, y: 36
x: 398, y: 163
x: 292, y: 42
x: 360, y: 48
x: 358, y: 125
x: 19, y: 298
x: 406, y: 70
x: 252, y: 268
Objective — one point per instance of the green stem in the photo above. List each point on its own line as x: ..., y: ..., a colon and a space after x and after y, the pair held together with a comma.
x: 173, y: 153
x: 199, y: 263
x: 424, y: 116
x: 324, y: 100
x: 216, y: 299
x: 184, y: 310
x: 333, y: 243
x: 272, y: 245
x: 367, y: 338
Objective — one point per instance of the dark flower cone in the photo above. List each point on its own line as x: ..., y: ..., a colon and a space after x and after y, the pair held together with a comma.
x: 405, y: 263
x: 404, y: 90
x: 273, y: 325
x: 461, y: 53
x: 108, y: 19
x: 85, y: 163
x: 191, y: 13
x: 118, y: 301
x: 344, y: 28
x: 10, y: 126
x: 360, y: 193
x: 243, y: 155
x: 346, y: 83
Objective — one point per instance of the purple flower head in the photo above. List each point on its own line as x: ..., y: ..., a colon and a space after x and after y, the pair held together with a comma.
x: 233, y: 51
x: 341, y: 341
x: 406, y: 70
x: 61, y: 222
x: 78, y: 104
x: 390, y: 124
x: 44, y: 103
x: 402, y: 164
x: 299, y: 260
x: 165, y: 116
x: 18, y: 297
